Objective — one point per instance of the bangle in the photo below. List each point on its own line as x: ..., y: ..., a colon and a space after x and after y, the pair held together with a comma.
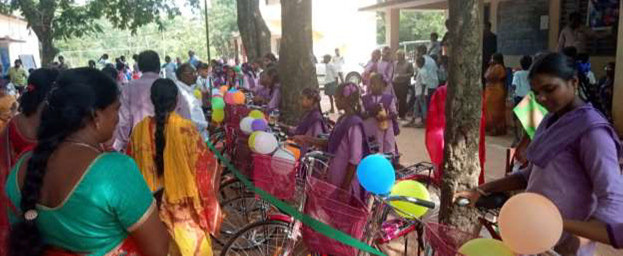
x: 482, y: 192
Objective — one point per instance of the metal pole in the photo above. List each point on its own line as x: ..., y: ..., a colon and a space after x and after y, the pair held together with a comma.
x: 207, y: 30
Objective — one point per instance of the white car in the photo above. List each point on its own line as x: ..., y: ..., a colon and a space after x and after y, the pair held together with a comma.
x: 352, y: 73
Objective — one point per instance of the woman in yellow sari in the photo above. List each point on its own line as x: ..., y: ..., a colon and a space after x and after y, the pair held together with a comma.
x: 495, y: 96
x: 174, y: 159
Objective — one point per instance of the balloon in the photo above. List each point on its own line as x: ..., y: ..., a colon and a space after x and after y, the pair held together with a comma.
x: 376, y: 174
x: 252, y: 140
x: 485, y: 247
x: 218, y: 103
x: 291, y: 146
x: 265, y: 143
x: 239, y: 98
x: 223, y: 90
x: 198, y: 94
x: 413, y: 189
x: 229, y: 98
x: 259, y: 125
x: 282, y: 161
x: 257, y: 114
x: 232, y: 90
x: 530, y: 223
x: 245, y: 125
x: 216, y: 91
x: 218, y: 115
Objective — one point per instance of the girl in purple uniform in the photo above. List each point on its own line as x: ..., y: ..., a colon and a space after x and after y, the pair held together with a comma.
x: 381, y: 115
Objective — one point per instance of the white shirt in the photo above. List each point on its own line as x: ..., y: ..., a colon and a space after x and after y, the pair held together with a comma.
x: 435, y: 48
x: 330, y: 73
x: 169, y: 71
x: 431, y: 81
x: 338, y: 61
x: 521, y: 83
x: 423, y: 77
x: 194, y: 106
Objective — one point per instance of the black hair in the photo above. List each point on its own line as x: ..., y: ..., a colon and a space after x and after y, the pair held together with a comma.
x: 422, y: 49
x: 274, y: 73
x: 526, y: 62
x: 570, y: 52
x: 498, y: 58
x: 575, y: 15
x: 182, y: 68
x: 78, y: 93
x: 435, y: 35
x: 420, y: 61
x: 583, y: 57
x: 554, y: 64
x: 61, y: 57
x: 167, y: 58
x: 354, y: 99
x: 135, y: 57
x: 487, y: 24
x: 270, y: 56
x: 110, y: 71
x: 40, y: 82
x: 149, y: 61
x: 313, y: 94
x: 203, y: 65
x: 105, y: 56
x: 17, y: 61
x: 164, y: 97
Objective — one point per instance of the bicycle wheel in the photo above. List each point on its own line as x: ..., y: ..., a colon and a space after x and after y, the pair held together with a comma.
x: 238, y: 212
x: 271, y: 237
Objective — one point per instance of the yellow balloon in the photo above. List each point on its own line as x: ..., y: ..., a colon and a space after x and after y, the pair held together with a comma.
x: 257, y: 114
x: 218, y: 115
x: 252, y: 139
x: 410, y: 188
x: 198, y: 94
x: 485, y: 247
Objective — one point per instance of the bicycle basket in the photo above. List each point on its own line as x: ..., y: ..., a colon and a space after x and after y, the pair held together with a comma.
x: 242, y: 157
x: 445, y: 240
x: 235, y: 113
x: 276, y: 176
x: 327, y: 203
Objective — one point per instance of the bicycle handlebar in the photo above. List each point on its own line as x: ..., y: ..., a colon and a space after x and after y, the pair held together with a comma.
x: 413, y: 200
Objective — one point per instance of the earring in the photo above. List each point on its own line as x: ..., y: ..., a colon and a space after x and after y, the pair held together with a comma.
x: 97, y: 126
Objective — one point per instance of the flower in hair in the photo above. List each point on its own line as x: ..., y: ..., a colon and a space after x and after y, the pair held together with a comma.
x: 30, y: 88
x: 349, y: 89
x: 31, y: 215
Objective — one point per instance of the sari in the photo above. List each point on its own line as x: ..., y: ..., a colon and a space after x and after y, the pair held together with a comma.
x: 189, y: 207
x: 495, y: 98
x: 97, y: 217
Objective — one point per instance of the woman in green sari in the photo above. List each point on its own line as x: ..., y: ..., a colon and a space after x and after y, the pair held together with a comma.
x: 69, y: 197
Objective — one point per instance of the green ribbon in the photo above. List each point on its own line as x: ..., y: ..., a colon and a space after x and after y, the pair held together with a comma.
x: 315, y: 224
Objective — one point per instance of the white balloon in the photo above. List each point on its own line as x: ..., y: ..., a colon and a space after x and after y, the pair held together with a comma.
x: 245, y: 125
x: 283, y: 161
x: 265, y: 143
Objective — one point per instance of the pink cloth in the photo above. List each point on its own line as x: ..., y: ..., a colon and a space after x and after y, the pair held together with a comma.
x: 136, y: 105
x: 435, y: 129
x: 385, y: 138
x: 350, y: 151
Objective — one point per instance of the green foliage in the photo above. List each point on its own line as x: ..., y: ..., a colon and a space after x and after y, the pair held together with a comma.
x: 172, y: 37
x: 414, y: 25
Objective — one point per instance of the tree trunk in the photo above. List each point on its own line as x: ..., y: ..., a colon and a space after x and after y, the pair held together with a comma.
x: 48, y: 51
x: 296, y: 67
x: 463, y: 111
x: 253, y: 30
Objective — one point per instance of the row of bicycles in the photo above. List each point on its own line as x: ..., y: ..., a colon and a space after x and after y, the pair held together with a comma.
x: 253, y: 226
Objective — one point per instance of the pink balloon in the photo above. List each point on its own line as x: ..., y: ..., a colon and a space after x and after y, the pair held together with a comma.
x: 530, y: 223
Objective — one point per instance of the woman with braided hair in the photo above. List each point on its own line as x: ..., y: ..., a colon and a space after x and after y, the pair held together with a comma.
x: 179, y: 168
x: 67, y: 196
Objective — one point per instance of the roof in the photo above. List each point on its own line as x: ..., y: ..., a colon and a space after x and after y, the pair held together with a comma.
x: 407, y: 4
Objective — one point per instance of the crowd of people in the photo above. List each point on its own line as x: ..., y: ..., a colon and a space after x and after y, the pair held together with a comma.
x: 111, y: 160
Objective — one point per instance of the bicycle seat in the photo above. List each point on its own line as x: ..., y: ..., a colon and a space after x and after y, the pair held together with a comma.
x: 493, y: 201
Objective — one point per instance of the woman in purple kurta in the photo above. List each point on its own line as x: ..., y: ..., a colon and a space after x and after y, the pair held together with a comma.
x: 269, y: 92
x: 373, y: 103
x: 573, y: 157
x: 313, y: 123
x: 346, y: 143
x: 382, y: 64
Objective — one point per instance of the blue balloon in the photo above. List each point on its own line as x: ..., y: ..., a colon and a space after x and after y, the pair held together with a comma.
x: 376, y: 174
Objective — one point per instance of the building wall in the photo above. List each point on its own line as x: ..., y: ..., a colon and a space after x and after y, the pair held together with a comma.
x: 17, y: 29
x: 336, y: 24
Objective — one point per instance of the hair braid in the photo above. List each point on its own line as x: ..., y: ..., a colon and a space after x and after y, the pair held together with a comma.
x: 164, y: 97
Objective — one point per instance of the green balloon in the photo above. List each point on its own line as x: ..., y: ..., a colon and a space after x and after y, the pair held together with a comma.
x: 485, y: 247
x: 218, y: 103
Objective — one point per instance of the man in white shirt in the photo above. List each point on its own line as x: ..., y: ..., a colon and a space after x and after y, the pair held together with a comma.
x: 169, y: 68
x: 330, y: 80
x: 432, y: 81
x: 186, y: 83
x: 338, y: 62
x: 421, y: 90
x: 435, y: 45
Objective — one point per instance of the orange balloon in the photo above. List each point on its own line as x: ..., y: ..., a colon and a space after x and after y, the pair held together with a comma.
x: 291, y: 146
x: 223, y: 89
x: 239, y: 98
x: 530, y: 223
